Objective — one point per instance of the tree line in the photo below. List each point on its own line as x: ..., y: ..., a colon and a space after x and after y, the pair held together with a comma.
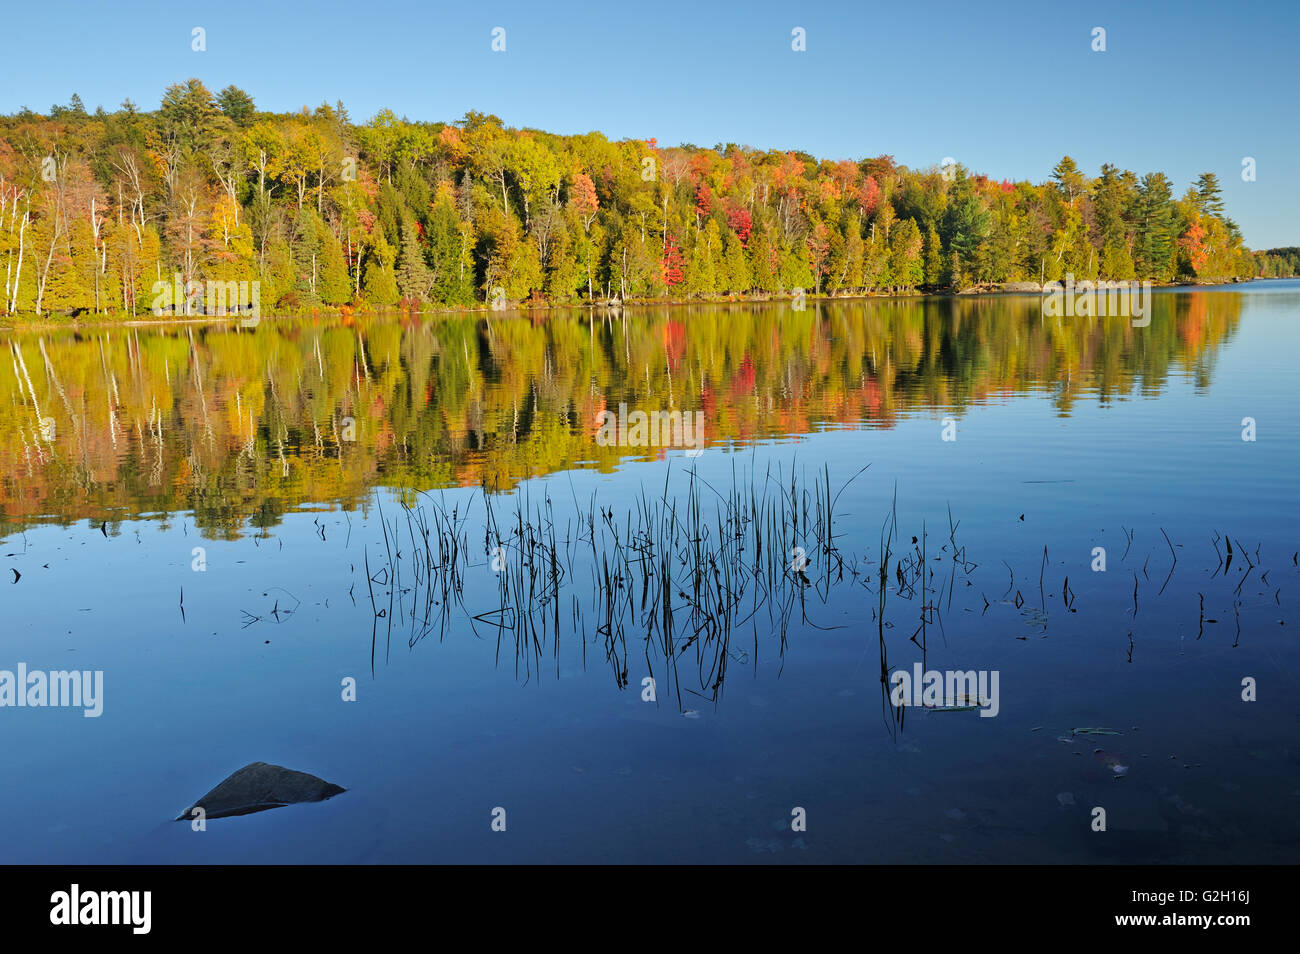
x: 1280, y: 262
x: 98, y: 211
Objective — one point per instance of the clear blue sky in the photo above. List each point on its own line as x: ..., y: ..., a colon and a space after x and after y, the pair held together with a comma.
x: 1005, y: 88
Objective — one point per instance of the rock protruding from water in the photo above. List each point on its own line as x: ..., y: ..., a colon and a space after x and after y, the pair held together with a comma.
x: 257, y: 787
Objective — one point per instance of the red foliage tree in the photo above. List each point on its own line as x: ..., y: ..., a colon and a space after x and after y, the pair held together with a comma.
x: 703, y: 200
x: 1193, y: 242
x: 868, y: 195
x: 672, y: 264
x: 583, y: 197
x: 742, y: 223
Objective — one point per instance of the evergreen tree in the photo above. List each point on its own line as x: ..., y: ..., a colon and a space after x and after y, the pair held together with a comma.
x: 334, y: 286
x: 905, y: 262
x: 1116, y: 264
x: 956, y: 276
x: 934, y: 264
x: 1108, y: 205
x: 1153, y: 255
x: 1209, y: 195
x: 322, y: 271
x: 414, y: 280
x: 738, y: 280
x: 445, y: 244
x: 380, y: 285
x: 965, y: 222
x: 1068, y: 179
x: 237, y: 105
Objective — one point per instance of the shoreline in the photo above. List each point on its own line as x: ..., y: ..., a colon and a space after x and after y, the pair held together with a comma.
x: 15, y: 323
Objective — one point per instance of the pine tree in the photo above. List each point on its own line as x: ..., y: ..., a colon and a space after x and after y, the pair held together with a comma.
x: 237, y: 105
x: 965, y: 222
x: 1153, y: 258
x: 380, y: 285
x: 738, y: 280
x: 956, y: 275
x: 763, y: 261
x: 1068, y: 179
x: 795, y: 268
x: 905, y: 262
x: 1209, y: 195
x: 1108, y: 205
x: 333, y: 286
x: 445, y: 245
x: 564, y: 274
x: 1116, y: 264
x: 934, y: 267
x: 414, y: 280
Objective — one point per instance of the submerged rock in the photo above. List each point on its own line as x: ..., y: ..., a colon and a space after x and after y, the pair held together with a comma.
x: 257, y: 787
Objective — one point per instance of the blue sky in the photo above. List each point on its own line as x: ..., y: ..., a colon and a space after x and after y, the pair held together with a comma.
x: 1005, y: 88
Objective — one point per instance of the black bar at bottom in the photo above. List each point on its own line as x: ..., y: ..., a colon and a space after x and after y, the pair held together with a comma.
x: 330, y: 903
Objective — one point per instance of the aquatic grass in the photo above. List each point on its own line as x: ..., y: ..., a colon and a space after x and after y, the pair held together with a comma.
x: 668, y: 582
x: 677, y: 575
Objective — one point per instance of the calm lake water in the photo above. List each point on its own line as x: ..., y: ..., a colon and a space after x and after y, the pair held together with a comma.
x: 213, y: 516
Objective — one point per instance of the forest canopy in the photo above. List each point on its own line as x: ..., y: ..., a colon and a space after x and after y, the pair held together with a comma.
x: 96, y: 208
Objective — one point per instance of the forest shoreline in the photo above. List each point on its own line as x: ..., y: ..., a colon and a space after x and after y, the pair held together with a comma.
x: 313, y: 214
x: 25, y: 323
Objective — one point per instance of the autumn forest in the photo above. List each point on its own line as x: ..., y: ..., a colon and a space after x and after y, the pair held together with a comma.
x: 96, y: 209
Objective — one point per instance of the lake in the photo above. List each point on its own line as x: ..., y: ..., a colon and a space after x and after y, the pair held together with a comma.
x: 613, y: 581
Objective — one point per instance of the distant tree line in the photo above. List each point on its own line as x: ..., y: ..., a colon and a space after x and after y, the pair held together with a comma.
x: 97, y: 209
x: 1280, y: 262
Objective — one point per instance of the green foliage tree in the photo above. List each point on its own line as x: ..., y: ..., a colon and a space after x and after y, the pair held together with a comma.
x: 236, y: 105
